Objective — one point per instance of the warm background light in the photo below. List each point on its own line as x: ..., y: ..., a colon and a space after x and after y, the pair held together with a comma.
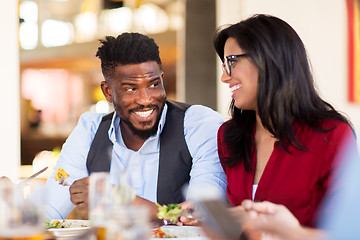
x: 56, y: 33
x: 28, y: 29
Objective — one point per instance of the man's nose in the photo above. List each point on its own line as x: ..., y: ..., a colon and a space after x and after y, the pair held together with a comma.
x: 144, y: 97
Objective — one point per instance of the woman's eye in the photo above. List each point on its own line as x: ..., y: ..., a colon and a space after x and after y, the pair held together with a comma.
x: 232, y: 62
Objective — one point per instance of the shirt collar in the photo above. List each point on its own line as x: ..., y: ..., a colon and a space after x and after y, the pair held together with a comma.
x: 114, y: 129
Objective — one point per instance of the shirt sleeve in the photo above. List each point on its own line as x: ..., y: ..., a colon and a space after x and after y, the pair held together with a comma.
x: 72, y: 159
x: 200, y: 128
x: 342, y: 141
x: 340, y: 215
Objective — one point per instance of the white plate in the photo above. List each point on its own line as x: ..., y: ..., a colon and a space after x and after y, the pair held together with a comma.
x: 76, y: 227
x: 183, y: 232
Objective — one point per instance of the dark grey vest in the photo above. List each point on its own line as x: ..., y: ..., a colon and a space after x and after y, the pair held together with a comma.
x: 175, y: 160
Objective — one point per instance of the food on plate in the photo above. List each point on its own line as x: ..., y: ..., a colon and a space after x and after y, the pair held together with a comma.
x: 173, y: 231
x: 67, y: 223
x: 61, y: 176
x: 171, y: 212
x: 56, y: 224
x: 159, y: 233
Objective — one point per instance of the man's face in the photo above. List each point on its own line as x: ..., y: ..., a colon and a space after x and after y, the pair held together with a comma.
x: 138, y: 95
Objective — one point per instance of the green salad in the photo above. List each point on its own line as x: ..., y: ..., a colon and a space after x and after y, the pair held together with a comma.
x: 55, y: 224
x: 171, y: 211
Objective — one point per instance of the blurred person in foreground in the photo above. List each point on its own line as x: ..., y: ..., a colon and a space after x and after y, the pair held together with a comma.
x: 161, y: 144
x: 282, y: 142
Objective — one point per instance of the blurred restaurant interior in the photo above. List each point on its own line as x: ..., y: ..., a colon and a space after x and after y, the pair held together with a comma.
x: 58, y: 74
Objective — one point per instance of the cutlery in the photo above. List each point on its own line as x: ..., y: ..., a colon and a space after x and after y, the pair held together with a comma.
x: 34, y: 175
x: 189, y: 213
x: 63, y: 181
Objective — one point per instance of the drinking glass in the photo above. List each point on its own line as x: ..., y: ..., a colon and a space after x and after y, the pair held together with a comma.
x: 21, y: 210
x: 128, y: 222
x: 100, y: 201
x: 107, y: 192
x: 122, y: 191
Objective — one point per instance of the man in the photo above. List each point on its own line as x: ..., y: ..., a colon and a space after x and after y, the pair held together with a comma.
x: 161, y: 144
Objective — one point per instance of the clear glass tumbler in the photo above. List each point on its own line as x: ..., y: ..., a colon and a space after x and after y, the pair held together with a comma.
x: 21, y: 210
x: 107, y: 194
x: 100, y: 201
x: 128, y: 223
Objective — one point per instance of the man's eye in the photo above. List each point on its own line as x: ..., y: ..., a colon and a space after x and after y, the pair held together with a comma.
x: 154, y: 85
x: 129, y: 90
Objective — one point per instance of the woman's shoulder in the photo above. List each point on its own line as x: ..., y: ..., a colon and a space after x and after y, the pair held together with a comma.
x: 224, y: 126
x: 332, y: 129
x: 327, y: 130
x: 327, y: 125
x: 335, y: 125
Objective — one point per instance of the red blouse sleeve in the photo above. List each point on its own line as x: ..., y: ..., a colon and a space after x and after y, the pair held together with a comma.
x: 221, y: 145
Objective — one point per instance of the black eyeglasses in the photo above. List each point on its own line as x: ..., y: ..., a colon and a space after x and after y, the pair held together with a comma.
x: 229, y: 62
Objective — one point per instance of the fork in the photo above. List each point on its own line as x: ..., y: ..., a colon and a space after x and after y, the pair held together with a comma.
x: 186, y: 213
x: 34, y: 175
x: 63, y: 181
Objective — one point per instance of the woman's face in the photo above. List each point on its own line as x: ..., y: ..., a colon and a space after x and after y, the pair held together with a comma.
x: 244, y: 77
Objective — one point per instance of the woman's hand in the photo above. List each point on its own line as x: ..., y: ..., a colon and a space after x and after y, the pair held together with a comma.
x: 275, y: 221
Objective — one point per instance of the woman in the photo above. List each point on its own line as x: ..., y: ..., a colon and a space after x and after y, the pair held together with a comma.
x: 282, y: 141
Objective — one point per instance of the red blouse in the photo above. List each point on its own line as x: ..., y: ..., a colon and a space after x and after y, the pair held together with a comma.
x: 299, y: 179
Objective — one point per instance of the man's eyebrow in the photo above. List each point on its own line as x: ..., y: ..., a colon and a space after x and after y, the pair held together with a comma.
x: 155, y: 79
x: 128, y: 83
x: 134, y: 84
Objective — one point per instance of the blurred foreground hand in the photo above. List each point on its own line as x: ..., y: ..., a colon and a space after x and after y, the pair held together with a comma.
x: 274, y: 222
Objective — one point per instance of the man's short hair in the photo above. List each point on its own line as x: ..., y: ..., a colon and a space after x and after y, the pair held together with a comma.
x: 127, y: 48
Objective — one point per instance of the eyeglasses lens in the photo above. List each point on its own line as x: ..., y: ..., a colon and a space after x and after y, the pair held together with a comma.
x: 226, y: 67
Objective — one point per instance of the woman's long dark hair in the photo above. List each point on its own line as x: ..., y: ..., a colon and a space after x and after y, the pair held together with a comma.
x: 285, y: 92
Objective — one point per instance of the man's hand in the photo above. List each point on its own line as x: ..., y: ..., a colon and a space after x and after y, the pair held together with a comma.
x: 188, y: 219
x: 79, y: 194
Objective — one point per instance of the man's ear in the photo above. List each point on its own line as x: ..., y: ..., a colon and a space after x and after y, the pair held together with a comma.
x: 105, y: 87
x: 162, y: 79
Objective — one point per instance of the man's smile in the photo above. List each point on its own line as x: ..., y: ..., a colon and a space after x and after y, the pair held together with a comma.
x: 144, y: 114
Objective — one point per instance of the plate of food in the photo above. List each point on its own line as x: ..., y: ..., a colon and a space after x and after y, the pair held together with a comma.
x: 178, y: 232
x: 66, y: 228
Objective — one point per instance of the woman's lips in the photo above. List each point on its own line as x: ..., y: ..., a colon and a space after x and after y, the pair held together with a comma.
x: 235, y: 87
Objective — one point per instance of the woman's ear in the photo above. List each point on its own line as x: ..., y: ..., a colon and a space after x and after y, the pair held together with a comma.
x: 106, y: 89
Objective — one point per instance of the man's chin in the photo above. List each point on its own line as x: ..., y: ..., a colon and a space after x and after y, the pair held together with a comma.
x: 144, y: 129
x: 144, y: 134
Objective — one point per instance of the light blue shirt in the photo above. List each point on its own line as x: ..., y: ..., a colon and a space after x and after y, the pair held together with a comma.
x: 340, y: 216
x: 200, y: 129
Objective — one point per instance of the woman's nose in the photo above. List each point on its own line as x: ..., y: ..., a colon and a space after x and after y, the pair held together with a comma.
x: 224, y: 77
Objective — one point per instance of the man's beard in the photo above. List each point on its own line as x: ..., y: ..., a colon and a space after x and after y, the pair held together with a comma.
x: 143, y: 134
